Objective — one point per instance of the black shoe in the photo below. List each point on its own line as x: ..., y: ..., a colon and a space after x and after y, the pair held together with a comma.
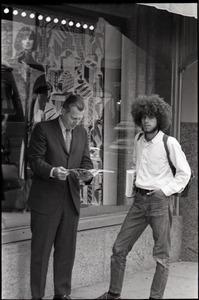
x: 108, y: 296
x: 61, y: 297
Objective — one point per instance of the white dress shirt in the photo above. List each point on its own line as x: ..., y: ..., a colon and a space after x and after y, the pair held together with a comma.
x: 152, y: 168
x: 63, y: 129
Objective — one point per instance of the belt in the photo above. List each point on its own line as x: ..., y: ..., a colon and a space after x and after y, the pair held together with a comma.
x: 142, y: 191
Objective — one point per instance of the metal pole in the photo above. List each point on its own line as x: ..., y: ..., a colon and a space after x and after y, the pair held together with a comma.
x: 176, y: 89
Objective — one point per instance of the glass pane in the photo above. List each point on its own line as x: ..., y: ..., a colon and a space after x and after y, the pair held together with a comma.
x: 46, y: 61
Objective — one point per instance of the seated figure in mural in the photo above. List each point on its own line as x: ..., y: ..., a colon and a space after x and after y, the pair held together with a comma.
x: 154, y: 186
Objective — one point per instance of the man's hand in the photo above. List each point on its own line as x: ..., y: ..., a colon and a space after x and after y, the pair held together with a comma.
x: 157, y: 193
x: 60, y: 173
x: 76, y: 172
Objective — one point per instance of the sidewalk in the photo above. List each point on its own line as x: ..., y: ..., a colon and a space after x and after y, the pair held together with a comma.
x: 182, y: 284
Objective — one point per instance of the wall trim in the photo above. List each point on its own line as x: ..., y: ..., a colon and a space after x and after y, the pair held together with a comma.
x: 23, y: 233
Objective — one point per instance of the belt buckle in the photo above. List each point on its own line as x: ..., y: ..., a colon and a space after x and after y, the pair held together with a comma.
x: 143, y: 191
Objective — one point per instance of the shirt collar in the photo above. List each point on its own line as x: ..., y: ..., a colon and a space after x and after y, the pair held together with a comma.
x: 63, y: 128
x: 156, y: 138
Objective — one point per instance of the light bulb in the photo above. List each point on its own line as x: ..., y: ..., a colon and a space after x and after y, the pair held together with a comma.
x: 78, y: 24
x: 91, y: 27
x: 6, y: 10
x: 15, y: 12
x: 23, y: 14
x: 32, y: 15
x: 40, y: 17
x: 48, y: 19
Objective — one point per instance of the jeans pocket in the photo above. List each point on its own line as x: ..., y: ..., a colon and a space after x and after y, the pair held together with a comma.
x: 158, y: 205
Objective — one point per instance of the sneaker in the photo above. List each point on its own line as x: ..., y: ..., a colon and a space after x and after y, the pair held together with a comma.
x: 108, y: 296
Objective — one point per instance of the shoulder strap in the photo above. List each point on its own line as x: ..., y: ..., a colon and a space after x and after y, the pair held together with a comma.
x: 165, y: 138
x: 139, y: 136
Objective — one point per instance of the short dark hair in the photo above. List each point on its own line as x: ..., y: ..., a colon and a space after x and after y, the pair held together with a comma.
x: 74, y: 100
x: 153, y: 106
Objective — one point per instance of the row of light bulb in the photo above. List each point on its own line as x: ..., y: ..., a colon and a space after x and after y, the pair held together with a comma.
x: 48, y: 19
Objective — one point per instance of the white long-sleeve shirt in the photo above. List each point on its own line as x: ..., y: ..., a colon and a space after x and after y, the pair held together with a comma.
x: 152, y: 167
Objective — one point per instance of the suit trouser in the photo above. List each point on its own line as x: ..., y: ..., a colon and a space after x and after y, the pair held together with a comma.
x: 60, y: 229
x: 146, y: 210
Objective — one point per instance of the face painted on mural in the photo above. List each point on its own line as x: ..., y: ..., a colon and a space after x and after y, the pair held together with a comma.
x: 27, y: 43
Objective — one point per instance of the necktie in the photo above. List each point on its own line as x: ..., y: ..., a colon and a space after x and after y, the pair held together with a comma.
x: 68, y: 139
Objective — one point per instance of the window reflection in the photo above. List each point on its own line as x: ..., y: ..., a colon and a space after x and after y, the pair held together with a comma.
x: 48, y: 61
x: 106, y: 67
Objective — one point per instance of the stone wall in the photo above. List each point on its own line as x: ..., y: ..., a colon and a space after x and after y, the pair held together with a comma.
x: 189, y: 205
x: 92, y: 259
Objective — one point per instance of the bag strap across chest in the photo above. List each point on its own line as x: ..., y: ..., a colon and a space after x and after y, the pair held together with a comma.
x: 165, y: 138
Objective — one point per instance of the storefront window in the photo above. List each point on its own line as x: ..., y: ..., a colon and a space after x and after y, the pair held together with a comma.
x: 43, y: 61
x: 46, y: 57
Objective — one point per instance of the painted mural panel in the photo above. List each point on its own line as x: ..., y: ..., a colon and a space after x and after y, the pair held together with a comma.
x: 42, y: 63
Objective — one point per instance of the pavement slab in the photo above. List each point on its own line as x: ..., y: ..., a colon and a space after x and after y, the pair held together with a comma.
x: 182, y: 284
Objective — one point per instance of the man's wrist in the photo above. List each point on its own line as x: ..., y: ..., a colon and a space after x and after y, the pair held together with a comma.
x: 52, y: 173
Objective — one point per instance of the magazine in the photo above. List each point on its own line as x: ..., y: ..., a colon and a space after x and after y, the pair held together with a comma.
x: 94, y: 172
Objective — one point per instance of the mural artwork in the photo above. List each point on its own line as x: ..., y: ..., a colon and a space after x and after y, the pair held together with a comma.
x: 40, y: 66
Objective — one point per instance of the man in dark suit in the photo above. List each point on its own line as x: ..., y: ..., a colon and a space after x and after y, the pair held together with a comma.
x: 54, y: 197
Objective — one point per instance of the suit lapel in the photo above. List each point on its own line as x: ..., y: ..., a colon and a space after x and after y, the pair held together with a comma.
x: 58, y: 133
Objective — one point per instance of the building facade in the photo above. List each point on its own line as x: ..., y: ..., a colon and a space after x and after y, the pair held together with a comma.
x: 109, y: 54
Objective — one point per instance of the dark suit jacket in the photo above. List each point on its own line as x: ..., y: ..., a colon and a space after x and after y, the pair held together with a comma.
x: 47, y: 150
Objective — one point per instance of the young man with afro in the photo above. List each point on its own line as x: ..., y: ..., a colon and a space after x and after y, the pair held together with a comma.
x: 154, y: 186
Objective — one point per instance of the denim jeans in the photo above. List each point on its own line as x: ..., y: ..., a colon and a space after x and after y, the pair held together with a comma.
x: 146, y: 210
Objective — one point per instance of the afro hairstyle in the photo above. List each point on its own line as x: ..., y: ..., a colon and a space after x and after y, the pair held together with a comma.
x: 152, y: 106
